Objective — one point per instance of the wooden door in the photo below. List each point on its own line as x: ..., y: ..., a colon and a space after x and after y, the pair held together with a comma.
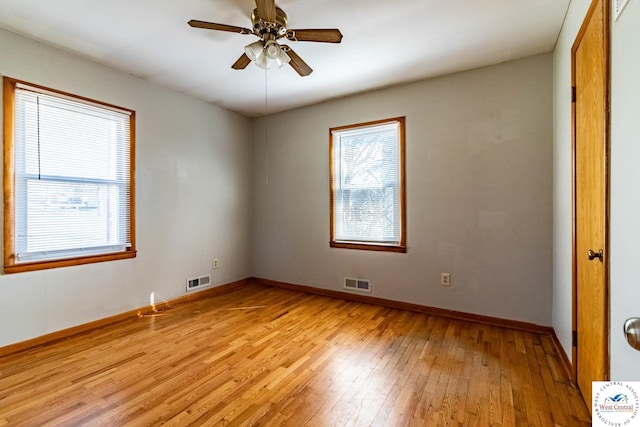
x: 591, y: 147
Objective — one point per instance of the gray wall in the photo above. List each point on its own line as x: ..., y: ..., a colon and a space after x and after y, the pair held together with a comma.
x: 479, y: 183
x: 193, y: 199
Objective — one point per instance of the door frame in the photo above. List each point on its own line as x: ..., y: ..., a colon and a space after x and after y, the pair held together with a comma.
x: 607, y: 137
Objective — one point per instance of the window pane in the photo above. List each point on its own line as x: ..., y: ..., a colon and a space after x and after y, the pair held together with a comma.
x: 63, y: 216
x: 62, y: 138
x: 367, y: 215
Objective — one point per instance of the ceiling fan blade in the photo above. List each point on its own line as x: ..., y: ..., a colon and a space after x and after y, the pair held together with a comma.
x: 241, y: 63
x: 220, y: 27
x: 329, y: 35
x: 266, y: 10
x: 297, y: 63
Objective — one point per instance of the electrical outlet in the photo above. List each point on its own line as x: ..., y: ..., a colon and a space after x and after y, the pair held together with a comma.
x: 215, y: 263
x: 445, y: 279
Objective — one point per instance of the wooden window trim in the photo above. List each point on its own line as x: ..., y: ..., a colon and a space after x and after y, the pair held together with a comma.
x: 400, y: 247
x: 8, y: 187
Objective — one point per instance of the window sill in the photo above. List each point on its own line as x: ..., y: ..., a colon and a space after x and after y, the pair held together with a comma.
x: 44, y: 265
x: 369, y: 246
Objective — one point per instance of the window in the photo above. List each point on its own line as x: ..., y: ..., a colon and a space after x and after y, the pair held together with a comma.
x: 367, y: 186
x: 68, y: 187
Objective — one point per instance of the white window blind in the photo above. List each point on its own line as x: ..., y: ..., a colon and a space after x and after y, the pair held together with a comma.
x: 366, y: 184
x: 72, y: 180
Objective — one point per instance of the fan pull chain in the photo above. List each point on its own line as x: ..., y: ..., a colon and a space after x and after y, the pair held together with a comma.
x: 266, y: 133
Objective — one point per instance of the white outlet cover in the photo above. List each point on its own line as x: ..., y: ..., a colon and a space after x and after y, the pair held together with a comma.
x: 618, y: 7
x: 445, y: 279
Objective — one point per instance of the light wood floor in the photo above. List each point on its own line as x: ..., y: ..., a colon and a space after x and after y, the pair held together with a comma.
x: 269, y: 356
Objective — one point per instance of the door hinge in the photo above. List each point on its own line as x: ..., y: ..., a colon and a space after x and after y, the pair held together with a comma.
x: 574, y: 338
x: 573, y: 94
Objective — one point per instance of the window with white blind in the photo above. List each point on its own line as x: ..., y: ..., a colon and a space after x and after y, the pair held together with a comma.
x: 68, y: 179
x: 367, y: 186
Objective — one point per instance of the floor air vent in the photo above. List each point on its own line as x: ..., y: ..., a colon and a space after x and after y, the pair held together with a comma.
x: 363, y: 285
x: 194, y: 283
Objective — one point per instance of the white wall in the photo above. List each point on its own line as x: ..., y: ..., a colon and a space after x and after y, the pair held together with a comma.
x: 479, y: 182
x: 625, y: 176
x: 625, y: 188
x: 192, y: 195
x: 562, y: 249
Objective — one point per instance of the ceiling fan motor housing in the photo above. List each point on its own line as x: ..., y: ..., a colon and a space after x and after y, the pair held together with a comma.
x: 266, y: 29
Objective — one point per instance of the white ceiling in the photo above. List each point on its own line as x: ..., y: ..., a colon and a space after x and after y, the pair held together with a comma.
x: 385, y: 42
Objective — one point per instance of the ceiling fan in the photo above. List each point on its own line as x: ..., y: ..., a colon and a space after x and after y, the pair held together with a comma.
x: 270, y: 25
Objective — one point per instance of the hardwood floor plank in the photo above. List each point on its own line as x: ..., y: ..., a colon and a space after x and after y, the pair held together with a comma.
x: 265, y: 356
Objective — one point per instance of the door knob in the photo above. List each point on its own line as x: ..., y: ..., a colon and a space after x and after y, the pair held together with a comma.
x: 632, y: 332
x: 592, y: 255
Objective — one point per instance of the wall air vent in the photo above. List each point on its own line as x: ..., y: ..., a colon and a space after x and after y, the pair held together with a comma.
x: 194, y: 283
x: 362, y: 285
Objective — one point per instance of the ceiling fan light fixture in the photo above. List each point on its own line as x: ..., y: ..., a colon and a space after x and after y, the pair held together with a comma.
x: 262, y: 61
x: 282, y: 59
x: 254, y: 51
x: 272, y: 49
